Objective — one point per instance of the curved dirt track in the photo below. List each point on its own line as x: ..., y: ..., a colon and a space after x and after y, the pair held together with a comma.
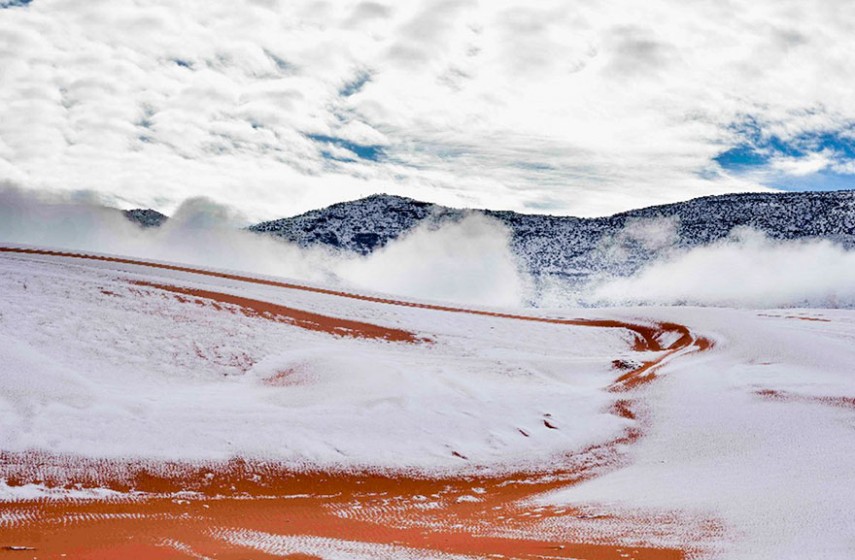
x: 239, y: 509
x: 646, y: 340
x: 279, y: 313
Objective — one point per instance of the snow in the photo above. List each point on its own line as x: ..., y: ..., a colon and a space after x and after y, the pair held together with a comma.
x: 330, y: 549
x: 97, y: 366
x: 38, y: 492
x: 755, y: 435
x: 777, y: 472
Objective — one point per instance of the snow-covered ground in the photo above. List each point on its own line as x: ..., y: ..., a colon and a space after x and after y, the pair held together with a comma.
x: 98, y: 360
x: 759, y: 432
x: 96, y: 365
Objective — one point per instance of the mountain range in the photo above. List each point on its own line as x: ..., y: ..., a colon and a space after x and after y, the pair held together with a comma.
x: 575, y: 248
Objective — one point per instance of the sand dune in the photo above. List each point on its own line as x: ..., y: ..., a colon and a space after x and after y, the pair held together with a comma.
x: 405, y: 430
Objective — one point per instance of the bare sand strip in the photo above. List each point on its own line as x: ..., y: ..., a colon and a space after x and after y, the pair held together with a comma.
x: 373, y: 509
x: 282, y: 314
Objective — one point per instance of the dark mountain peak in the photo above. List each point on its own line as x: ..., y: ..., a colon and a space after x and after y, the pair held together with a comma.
x: 145, y: 217
x: 751, y: 200
x: 574, y: 249
x: 378, y: 203
x: 359, y: 226
x: 387, y: 199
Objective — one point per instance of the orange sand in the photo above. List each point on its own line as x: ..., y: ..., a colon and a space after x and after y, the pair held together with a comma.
x: 798, y: 317
x: 383, y: 508
x: 282, y: 314
x: 772, y: 394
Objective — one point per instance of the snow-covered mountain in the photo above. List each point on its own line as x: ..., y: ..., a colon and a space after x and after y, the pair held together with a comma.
x: 576, y: 248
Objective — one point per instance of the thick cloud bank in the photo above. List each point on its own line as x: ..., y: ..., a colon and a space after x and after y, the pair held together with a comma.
x: 468, y: 261
x: 279, y: 106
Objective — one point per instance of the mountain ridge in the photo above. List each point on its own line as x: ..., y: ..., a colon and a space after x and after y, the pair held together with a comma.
x: 572, y: 247
x: 575, y: 248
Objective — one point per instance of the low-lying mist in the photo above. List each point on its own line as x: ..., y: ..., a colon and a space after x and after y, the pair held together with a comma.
x: 468, y: 261
x: 465, y: 261
x: 747, y: 269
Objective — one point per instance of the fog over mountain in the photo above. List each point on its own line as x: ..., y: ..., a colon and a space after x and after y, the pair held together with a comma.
x: 804, y: 241
x: 576, y: 248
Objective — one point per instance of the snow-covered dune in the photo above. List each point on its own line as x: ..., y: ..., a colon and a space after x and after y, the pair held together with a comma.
x: 390, y: 425
x: 115, y: 360
x: 759, y: 432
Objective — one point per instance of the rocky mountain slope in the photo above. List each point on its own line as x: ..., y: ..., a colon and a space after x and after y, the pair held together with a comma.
x: 576, y: 248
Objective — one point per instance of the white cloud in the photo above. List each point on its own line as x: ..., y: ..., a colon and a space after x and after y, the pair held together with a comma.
x: 451, y: 262
x: 574, y: 107
x: 745, y: 270
x: 467, y: 261
x: 801, y: 166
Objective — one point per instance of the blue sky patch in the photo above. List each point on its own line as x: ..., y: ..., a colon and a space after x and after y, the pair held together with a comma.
x: 355, y: 86
x: 757, y: 150
x: 822, y: 181
x: 363, y: 151
x: 741, y: 158
x: 14, y: 3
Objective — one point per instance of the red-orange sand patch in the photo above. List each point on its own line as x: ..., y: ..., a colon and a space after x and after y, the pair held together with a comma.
x: 465, y: 516
x: 784, y: 396
x: 462, y: 515
x: 281, y: 314
x: 797, y: 317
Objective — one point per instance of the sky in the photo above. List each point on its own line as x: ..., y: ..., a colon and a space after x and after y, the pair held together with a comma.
x: 276, y: 107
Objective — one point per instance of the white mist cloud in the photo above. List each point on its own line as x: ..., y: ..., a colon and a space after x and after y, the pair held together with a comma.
x: 71, y: 220
x: 650, y: 234
x: 468, y: 261
x: 745, y: 270
x: 202, y: 233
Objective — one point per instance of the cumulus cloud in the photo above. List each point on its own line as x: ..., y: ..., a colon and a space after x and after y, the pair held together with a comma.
x: 581, y: 108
